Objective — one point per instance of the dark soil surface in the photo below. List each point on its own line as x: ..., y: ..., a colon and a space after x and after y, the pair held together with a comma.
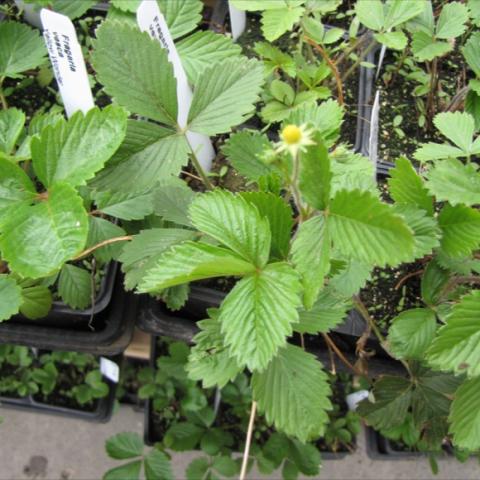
x: 398, y: 104
x: 385, y: 297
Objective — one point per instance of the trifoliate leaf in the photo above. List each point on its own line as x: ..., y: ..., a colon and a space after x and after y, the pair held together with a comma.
x: 257, y: 315
x: 425, y: 228
x: 437, y: 151
x: 452, y: 20
x: 213, y: 110
x: 12, y: 121
x: 182, y: 436
x: 197, y: 468
x: 10, y: 296
x: 465, y: 416
x: 327, y: 118
x: 274, y: 59
x: 200, y: 50
x: 192, y: 261
x: 315, y: 175
x: 209, y: 360
x: 40, y: 238
x: 100, y: 230
x: 182, y: 16
x: 457, y: 345
x: 450, y: 180
x: 157, y: 466
x: 16, y: 189
x: 123, y: 57
x: 21, y: 48
x: 412, y: 332
x: 73, y: 151
x: 460, y: 227
x: 235, y: 223
x: 311, y: 256
x: 280, y: 218
x: 327, y: 312
x: 368, y: 230
x: 243, y: 150
x: 293, y: 393
x: 124, y: 445
x: 142, y: 253
x: 75, y: 287
x: 36, y: 301
x: 406, y: 186
x: 390, y: 403
x: 276, y: 22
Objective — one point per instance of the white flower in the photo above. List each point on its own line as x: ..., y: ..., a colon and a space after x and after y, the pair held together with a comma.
x: 295, y: 139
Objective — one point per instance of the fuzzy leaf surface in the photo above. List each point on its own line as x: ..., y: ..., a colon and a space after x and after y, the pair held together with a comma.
x: 11, y: 125
x: 36, y: 301
x: 276, y: 22
x: 100, y: 230
x: 10, y: 296
x: 182, y: 16
x: 75, y: 287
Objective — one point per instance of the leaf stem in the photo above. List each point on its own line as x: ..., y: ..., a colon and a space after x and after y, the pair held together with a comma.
x: 248, y: 441
x: 88, y: 251
x: 201, y: 171
x: 339, y: 353
x: 359, y: 60
x: 332, y: 66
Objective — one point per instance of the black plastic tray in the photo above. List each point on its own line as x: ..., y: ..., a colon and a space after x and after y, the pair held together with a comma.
x: 63, y: 316
x: 101, y: 414
x: 108, y: 333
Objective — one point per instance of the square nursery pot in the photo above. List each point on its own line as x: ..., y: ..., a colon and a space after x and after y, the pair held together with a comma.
x: 106, y: 333
x: 100, y: 413
x: 381, y: 448
x: 150, y: 437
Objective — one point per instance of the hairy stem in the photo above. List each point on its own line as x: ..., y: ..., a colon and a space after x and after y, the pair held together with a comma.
x: 406, y: 277
x: 346, y: 53
x: 332, y: 66
x: 360, y: 59
x: 339, y: 353
x: 88, y: 251
x: 248, y: 441
x: 201, y: 171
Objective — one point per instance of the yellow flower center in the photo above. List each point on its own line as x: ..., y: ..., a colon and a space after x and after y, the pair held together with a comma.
x: 291, y: 134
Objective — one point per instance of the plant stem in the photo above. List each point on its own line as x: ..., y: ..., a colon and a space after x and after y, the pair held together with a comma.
x: 88, y: 251
x: 201, y: 172
x: 360, y: 59
x: 248, y: 441
x: 406, y: 277
x: 332, y: 66
x: 432, y: 92
x: 346, y: 53
x: 3, y: 100
x: 339, y: 353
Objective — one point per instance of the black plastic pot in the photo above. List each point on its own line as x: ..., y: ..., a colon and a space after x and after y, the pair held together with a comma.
x: 101, y: 414
x: 107, y: 333
x: 381, y: 448
x: 131, y: 398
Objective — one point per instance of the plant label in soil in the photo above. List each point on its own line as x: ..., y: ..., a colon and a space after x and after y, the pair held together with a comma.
x: 151, y: 20
x: 353, y: 399
x: 373, y: 139
x: 67, y: 62
x: 109, y: 369
x: 238, y: 20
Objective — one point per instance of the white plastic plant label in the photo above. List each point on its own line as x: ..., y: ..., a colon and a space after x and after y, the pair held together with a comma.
x: 373, y: 139
x: 238, y: 20
x: 353, y: 399
x: 109, y: 369
x: 151, y: 20
x: 67, y: 61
